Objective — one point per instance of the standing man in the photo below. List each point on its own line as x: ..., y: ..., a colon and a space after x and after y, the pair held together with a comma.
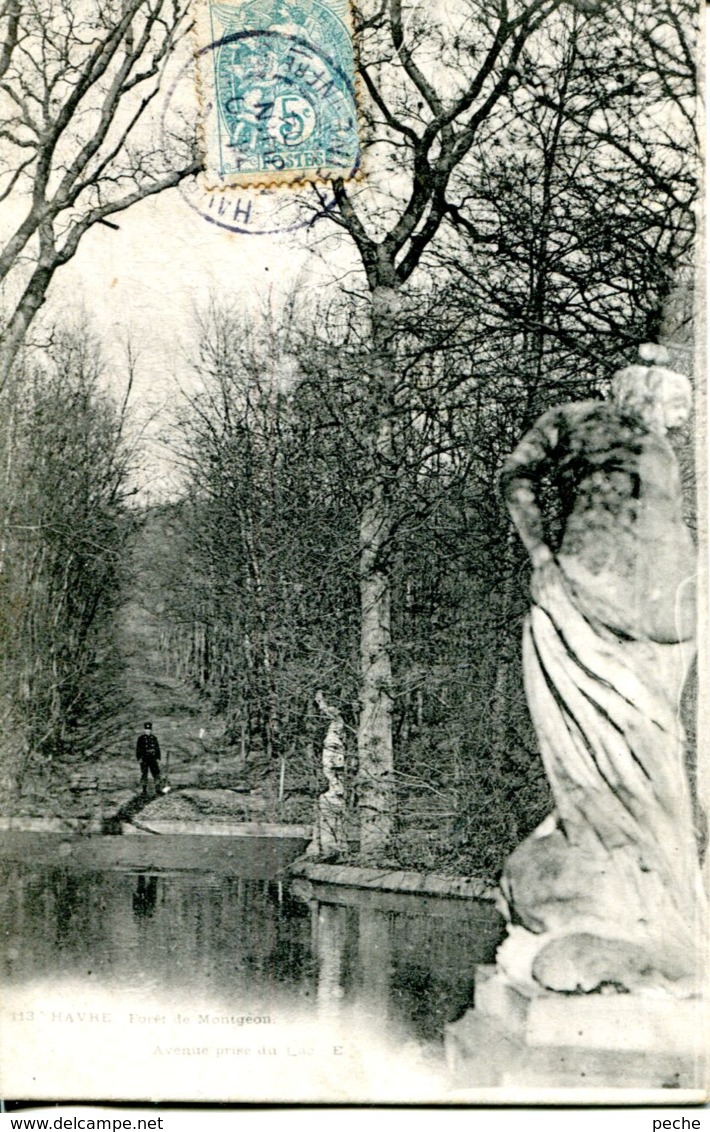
x: 148, y: 755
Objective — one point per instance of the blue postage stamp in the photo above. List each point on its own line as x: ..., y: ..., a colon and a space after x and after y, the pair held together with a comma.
x: 277, y: 91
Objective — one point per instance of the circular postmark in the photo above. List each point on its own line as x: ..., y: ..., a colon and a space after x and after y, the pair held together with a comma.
x: 280, y: 109
x: 256, y: 212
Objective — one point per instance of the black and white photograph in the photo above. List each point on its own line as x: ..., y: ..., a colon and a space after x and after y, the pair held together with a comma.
x: 353, y: 553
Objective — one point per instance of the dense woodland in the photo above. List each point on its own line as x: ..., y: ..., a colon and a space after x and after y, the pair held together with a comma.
x: 338, y: 524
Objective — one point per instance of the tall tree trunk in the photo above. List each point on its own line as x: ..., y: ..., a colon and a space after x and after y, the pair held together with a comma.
x: 18, y: 324
x: 376, y: 777
x: 506, y: 646
x: 375, y: 749
x: 267, y: 700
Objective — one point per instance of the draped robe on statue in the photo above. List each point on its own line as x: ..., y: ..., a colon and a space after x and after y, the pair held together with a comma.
x: 606, y: 893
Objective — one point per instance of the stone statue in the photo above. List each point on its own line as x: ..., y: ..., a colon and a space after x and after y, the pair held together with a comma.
x: 329, y: 838
x: 605, y: 895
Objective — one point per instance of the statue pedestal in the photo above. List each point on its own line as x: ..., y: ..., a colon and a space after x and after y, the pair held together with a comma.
x: 615, y: 1041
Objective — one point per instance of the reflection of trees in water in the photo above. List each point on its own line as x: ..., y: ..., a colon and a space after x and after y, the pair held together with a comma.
x: 331, y: 931
x: 413, y: 966
x: 145, y: 896
x: 196, y: 932
x: 53, y: 914
x: 375, y: 958
x: 418, y: 966
x: 292, y: 958
x: 67, y: 901
x: 433, y: 960
x: 429, y: 997
x: 223, y: 938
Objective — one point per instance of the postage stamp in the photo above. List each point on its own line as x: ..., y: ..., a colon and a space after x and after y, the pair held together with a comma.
x: 276, y: 91
x: 245, y: 209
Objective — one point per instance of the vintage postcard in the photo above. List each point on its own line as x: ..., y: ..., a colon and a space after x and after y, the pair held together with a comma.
x: 353, y: 552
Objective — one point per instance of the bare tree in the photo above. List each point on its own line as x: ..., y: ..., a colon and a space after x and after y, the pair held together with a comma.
x: 77, y: 84
x: 65, y: 499
x: 446, y: 89
x: 261, y: 580
x: 433, y: 89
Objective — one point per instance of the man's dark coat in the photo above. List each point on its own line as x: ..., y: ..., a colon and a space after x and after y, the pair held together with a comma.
x: 147, y: 748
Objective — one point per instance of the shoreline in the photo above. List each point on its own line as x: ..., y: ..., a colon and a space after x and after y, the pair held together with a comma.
x: 157, y: 826
x: 320, y: 876
x: 389, y: 879
x: 376, y: 878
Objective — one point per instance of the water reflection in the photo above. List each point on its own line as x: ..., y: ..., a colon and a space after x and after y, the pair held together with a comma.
x: 145, y: 896
x: 330, y: 932
x: 404, y: 958
x: 225, y: 947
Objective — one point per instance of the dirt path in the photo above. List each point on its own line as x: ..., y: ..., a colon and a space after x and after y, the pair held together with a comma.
x: 191, y: 737
x: 207, y: 775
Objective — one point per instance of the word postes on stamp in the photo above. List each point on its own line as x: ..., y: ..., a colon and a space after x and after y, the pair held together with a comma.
x: 277, y: 91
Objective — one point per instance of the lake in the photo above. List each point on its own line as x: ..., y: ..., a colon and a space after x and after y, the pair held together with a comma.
x: 193, y: 968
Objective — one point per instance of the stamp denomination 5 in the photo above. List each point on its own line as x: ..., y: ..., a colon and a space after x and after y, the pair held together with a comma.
x: 276, y: 86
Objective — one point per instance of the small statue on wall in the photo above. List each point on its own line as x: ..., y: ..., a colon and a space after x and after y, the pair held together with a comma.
x: 606, y: 894
x: 330, y: 838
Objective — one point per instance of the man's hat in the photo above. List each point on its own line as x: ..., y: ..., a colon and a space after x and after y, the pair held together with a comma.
x: 148, y: 724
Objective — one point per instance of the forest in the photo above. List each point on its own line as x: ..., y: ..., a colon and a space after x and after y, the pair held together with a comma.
x: 526, y: 220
